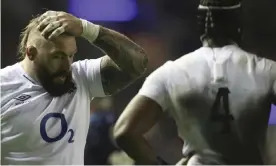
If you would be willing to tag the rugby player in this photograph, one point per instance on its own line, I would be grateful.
(45, 98)
(219, 96)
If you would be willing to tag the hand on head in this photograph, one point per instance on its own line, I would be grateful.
(51, 24)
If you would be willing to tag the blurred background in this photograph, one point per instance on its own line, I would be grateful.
(165, 28)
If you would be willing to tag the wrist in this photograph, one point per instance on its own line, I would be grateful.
(90, 31)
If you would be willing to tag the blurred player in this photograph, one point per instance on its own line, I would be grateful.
(45, 98)
(219, 96)
(99, 144)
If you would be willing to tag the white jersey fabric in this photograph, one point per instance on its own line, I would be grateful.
(43, 130)
(220, 99)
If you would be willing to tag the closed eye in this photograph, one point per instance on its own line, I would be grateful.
(60, 55)
(57, 56)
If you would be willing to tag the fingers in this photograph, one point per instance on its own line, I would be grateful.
(45, 22)
(57, 32)
(47, 14)
(50, 27)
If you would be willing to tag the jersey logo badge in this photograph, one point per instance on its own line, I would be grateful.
(23, 97)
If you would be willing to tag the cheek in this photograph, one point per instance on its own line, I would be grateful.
(47, 67)
(54, 65)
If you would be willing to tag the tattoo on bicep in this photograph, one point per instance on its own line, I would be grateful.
(126, 54)
(113, 78)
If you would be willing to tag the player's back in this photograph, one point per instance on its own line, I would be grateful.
(220, 100)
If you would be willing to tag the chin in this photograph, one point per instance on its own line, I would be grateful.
(60, 89)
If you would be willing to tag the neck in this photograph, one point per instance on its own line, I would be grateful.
(209, 42)
(28, 67)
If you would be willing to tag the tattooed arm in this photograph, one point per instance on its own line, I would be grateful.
(124, 63)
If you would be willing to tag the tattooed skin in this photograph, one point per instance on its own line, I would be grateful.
(124, 63)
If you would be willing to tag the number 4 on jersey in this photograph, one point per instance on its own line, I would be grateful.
(224, 117)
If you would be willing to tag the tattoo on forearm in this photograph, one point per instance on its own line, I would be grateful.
(126, 60)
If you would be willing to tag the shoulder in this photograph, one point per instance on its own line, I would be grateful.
(194, 55)
(162, 72)
(12, 84)
(258, 62)
(157, 81)
(9, 71)
(197, 57)
(84, 65)
(243, 57)
(192, 63)
(189, 62)
(86, 70)
(11, 75)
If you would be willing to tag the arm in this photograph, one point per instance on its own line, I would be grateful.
(139, 116)
(124, 63)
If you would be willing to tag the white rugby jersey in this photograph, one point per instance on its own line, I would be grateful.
(43, 130)
(220, 99)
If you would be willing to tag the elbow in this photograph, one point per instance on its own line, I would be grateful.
(122, 140)
(144, 62)
(140, 65)
(122, 136)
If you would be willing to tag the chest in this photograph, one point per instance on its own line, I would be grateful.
(42, 119)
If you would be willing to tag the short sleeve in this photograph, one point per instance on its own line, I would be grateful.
(155, 87)
(89, 73)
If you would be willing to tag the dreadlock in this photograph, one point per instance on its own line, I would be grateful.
(220, 20)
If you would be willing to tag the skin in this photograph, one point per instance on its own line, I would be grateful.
(124, 63)
(55, 55)
(52, 45)
(141, 115)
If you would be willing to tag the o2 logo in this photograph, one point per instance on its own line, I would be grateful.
(64, 128)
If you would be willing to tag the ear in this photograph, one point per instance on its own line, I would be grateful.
(31, 52)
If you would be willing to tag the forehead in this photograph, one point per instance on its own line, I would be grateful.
(63, 43)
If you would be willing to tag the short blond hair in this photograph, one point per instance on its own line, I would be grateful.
(24, 36)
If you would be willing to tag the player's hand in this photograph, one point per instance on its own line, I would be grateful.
(52, 24)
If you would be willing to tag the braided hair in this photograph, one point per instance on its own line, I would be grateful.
(220, 20)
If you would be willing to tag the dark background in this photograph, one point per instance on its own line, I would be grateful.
(165, 28)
